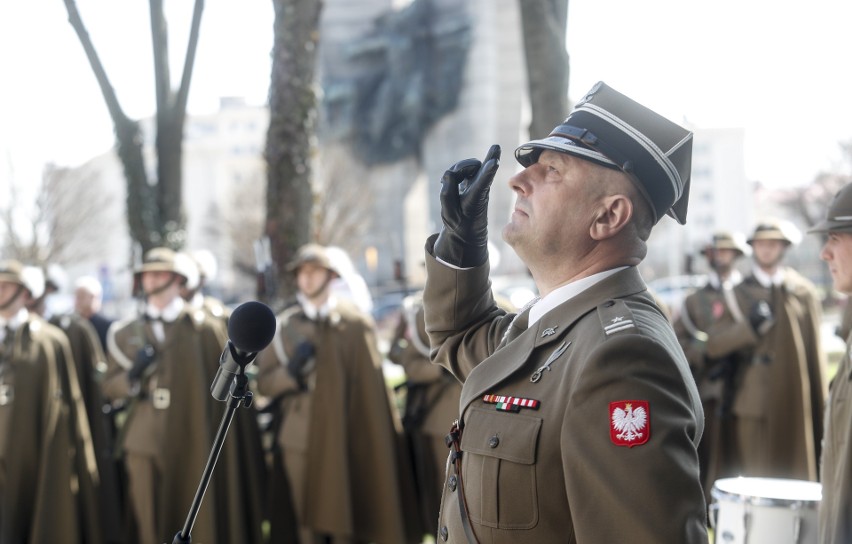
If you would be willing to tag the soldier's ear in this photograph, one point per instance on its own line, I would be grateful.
(613, 213)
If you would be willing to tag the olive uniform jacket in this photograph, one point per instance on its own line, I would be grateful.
(173, 421)
(781, 381)
(835, 509)
(45, 443)
(601, 448)
(341, 425)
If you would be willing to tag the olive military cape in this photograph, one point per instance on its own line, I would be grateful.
(178, 435)
(47, 463)
(559, 471)
(343, 425)
(781, 381)
(90, 363)
(713, 366)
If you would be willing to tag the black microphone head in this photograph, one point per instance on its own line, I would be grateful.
(251, 326)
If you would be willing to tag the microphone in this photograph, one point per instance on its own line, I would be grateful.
(251, 328)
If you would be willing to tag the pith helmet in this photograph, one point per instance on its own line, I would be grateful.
(314, 254)
(838, 217)
(163, 259)
(729, 240)
(774, 229)
(29, 277)
(612, 130)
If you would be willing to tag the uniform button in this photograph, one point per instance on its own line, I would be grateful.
(494, 441)
(445, 534)
(452, 482)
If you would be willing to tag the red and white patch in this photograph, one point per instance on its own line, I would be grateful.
(629, 422)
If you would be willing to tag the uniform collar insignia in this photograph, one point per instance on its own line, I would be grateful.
(549, 331)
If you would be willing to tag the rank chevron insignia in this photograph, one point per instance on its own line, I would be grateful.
(618, 324)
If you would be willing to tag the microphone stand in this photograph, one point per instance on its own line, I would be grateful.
(239, 395)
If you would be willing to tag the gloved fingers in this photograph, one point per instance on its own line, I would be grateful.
(493, 153)
(480, 183)
(461, 170)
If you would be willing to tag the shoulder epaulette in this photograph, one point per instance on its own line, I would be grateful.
(615, 317)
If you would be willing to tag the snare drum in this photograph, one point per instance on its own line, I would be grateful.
(764, 511)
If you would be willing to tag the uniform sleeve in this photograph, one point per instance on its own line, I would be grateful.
(463, 322)
(649, 492)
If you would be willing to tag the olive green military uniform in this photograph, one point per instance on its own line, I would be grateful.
(337, 436)
(713, 366)
(90, 362)
(599, 445)
(46, 451)
(431, 405)
(780, 385)
(169, 433)
(835, 513)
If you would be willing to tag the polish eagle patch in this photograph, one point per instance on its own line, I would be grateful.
(630, 422)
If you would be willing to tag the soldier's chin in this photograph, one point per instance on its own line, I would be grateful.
(513, 233)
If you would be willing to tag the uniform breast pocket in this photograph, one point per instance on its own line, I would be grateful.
(500, 468)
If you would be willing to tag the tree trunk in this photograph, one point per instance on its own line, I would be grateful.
(544, 24)
(154, 210)
(291, 133)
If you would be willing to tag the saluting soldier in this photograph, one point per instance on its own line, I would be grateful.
(162, 364)
(780, 385)
(336, 437)
(835, 508)
(579, 418)
(712, 359)
(48, 471)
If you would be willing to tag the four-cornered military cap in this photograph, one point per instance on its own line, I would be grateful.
(314, 254)
(612, 130)
(774, 229)
(163, 259)
(838, 218)
(729, 240)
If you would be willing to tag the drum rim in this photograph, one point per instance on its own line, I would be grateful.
(720, 494)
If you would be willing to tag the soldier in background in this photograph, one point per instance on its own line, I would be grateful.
(712, 361)
(337, 438)
(431, 404)
(162, 364)
(835, 509)
(48, 471)
(90, 364)
(88, 300)
(780, 383)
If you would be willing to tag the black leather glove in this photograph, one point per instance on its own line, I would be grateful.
(463, 240)
(145, 357)
(761, 317)
(298, 365)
